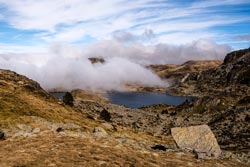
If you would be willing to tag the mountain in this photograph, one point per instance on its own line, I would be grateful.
(40, 130)
(232, 75)
(175, 73)
(222, 100)
(37, 129)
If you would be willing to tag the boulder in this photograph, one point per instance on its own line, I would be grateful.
(59, 129)
(159, 147)
(68, 99)
(100, 132)
(199, 139)
(1, 135)
(105, 115)
(108, 126)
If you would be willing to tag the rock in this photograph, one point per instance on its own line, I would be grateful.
(199, 138)
(68, 99)
(59, 129)
(105, 115)
(25, 128)
(22, 133)
(245, 100)
(91, 117)
(36, 130)
(101, 162)
(165, 111)
(1, 135)
(159, 147)
(95, 60)
(20, 82)
(98, 131)
(108, 126)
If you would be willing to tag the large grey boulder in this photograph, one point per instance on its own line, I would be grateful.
(199, 139)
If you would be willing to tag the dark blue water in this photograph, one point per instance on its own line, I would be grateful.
(137, 99)
(58, 95)
(140, 99)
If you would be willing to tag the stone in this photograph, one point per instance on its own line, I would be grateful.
(22, 133)
(101, 162)
(1, 135)
(68, 99)
(199, 139)
(108, 126)
(159, 147)
(59, 129)
(105, 115)
(20, 82)
(36, 130)
(98, 131)
(25, 128)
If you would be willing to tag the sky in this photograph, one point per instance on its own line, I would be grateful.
(50, 41)
(29, 25)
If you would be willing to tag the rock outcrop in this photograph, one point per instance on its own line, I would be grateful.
(1, 135)
(222, 101)
(199, 139)
(178, 73)
(68, 99)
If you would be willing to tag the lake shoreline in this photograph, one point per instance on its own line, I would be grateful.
(130, 99)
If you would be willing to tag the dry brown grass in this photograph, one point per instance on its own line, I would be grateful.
(61, 151)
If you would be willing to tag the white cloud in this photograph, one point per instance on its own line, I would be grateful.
(47, 14)
(67, 67)
(160, 53)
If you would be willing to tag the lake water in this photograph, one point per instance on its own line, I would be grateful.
(137, 99)
(140, 99)
(58, 95)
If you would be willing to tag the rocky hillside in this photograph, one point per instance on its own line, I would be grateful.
(223, 101)
(176, 73)
(231, 76)
(39, 130)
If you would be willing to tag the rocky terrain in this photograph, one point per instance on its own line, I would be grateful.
(224, 93)
(37, 129)
(231, 76)
(177, 73)
(222, 101)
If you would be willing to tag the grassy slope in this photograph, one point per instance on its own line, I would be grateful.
(21, 97)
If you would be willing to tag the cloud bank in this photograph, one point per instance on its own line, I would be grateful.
(67, 67)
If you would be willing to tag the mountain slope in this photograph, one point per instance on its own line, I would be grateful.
(42, 131)
(222, 101)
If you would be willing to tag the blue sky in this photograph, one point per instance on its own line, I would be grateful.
(30, 25)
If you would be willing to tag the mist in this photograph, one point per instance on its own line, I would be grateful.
(64, 67)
